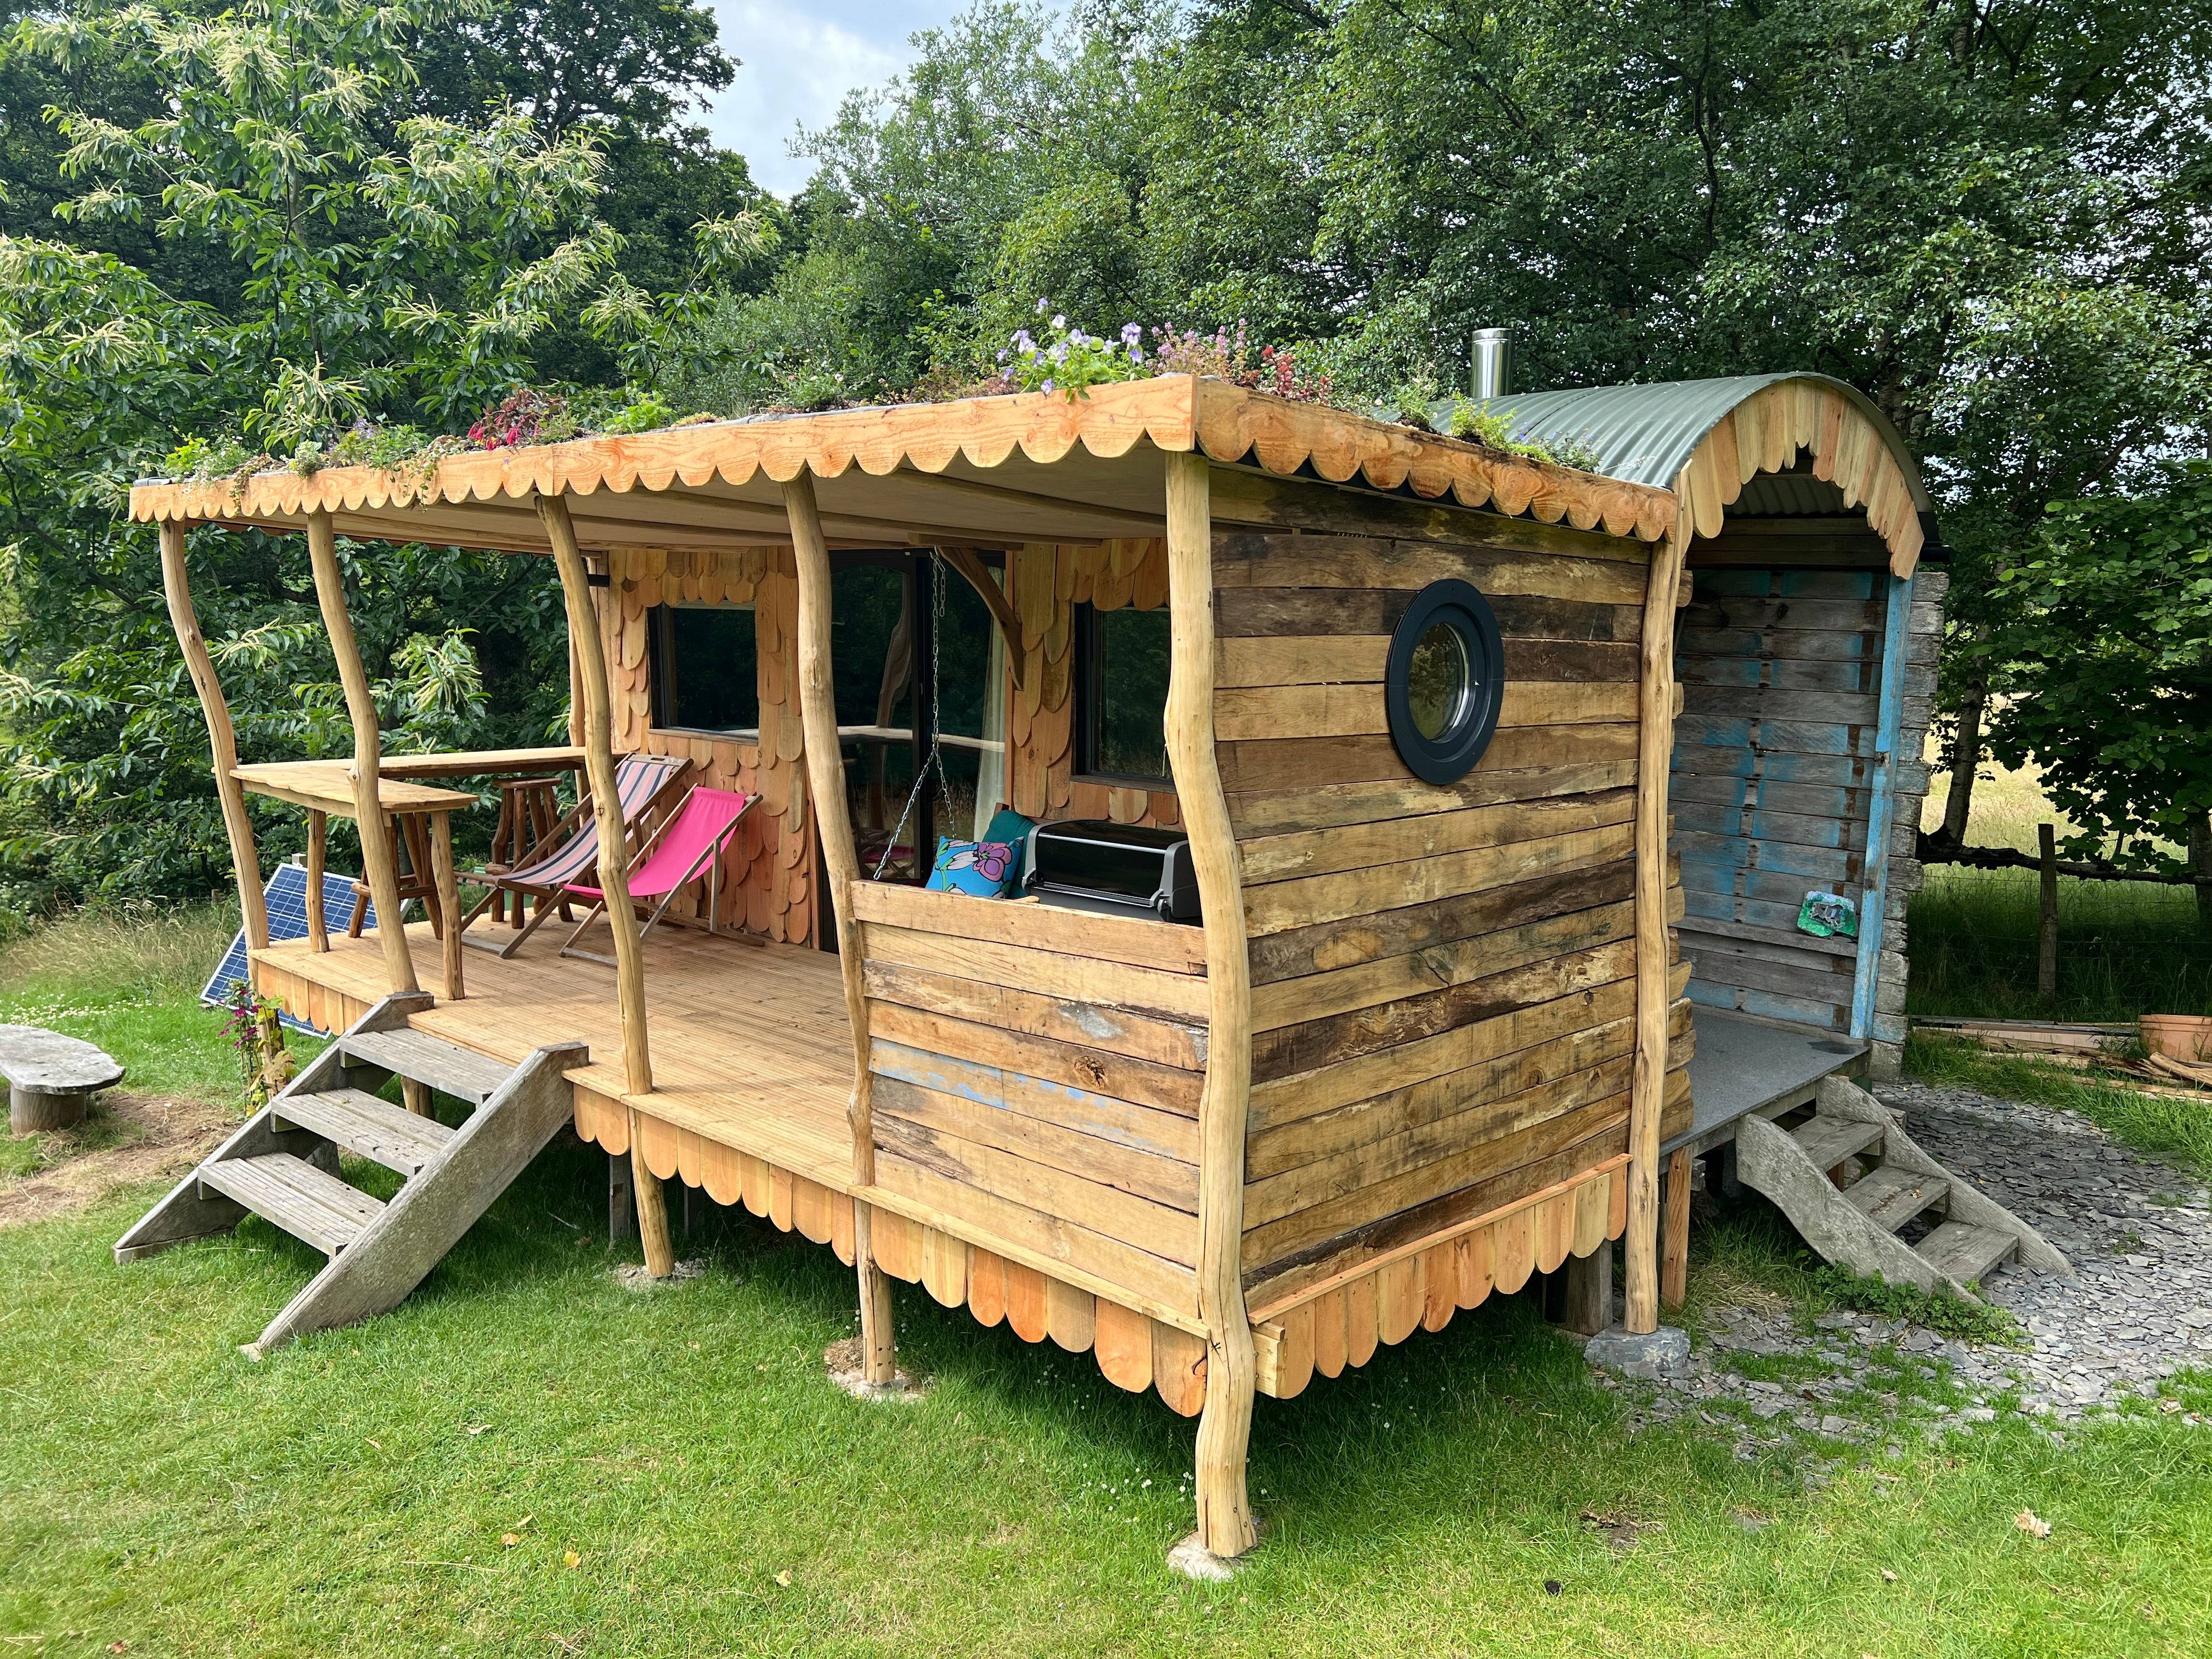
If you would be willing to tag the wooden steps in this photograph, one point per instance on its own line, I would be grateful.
(1849, 1178)
(446, 1066)
(298, 1197)
(369, 1127)
(283, 1165)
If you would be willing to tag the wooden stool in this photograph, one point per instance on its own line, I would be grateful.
(528, 810)
(416, 878)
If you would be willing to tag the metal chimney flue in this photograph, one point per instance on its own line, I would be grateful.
(1491, 351)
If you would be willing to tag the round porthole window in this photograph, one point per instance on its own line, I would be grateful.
(1446, 676)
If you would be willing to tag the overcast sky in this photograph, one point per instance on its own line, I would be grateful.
(800, 57)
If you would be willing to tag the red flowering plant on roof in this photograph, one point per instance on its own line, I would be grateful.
(526, 417)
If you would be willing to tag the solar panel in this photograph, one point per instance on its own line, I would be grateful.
(287, 896)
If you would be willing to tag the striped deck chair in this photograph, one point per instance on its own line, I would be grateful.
(686, 849)
(571, 849)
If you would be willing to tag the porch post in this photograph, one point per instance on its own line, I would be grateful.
(1224, 1428)
(222, 739)
(379, 862)
(588, 655)
(1654, 756)
(825, 783)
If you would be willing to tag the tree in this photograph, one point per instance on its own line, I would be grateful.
(2106, 653)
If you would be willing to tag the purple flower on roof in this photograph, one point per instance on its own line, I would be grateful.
(1025, 345)
(1131, 334)
(1060, 319)
(1040, 306)
(1047, 386)
(1003, 356)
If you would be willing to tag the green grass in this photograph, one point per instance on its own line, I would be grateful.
(351, 1494)
(2177, 1131)
(2125, 949)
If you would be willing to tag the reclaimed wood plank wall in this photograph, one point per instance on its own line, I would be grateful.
(1773, 772)
(1443, 989)
(769, 885)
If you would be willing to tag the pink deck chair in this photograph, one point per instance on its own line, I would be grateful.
(686, 847)
(640, 783)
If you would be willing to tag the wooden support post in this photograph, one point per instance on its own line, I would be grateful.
(319, 846)
(825, 783)
(1224, 1428)
(1654, 756)
(1589, 1290)
(380, 864)
(222, 737)
(449, 899)
(588, 654)
(417, 1096)
(2046, 949)
(1674, 1232)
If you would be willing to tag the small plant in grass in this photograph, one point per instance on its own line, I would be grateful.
(1966, 1322)
(255, 1032)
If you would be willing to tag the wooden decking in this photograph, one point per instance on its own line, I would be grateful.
(750, 1046)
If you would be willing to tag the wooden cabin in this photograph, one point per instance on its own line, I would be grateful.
(1409, 700)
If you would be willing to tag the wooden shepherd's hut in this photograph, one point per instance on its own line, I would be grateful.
(1386, 715)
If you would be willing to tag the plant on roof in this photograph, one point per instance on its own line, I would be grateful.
(1069, 360)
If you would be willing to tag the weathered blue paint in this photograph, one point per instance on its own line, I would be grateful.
(1874, 905)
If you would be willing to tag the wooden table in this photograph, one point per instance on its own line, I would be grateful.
(325, 788)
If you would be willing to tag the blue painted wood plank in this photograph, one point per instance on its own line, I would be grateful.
(1875, 902)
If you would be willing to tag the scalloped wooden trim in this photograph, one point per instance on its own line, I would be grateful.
(1176, 413)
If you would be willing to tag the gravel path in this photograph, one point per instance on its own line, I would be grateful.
(2139, 1235)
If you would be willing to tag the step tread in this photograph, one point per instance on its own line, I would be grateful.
(1890, 1196)
(446, 1066)
(371, 1127)
(1965, 1251)
(302, 1200)
(1829, 1140)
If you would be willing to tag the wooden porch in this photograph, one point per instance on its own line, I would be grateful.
(751, 1048)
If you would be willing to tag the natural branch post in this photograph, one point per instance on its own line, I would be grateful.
(589, 656)
(379, 863)
(1224, 1428)
(1653, 756)
(222, 739)
(825, 782)
(2046, 954)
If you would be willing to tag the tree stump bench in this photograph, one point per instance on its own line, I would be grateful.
(51, 1078)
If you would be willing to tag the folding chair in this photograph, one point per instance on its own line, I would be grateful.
(570, 848)
(686, 847)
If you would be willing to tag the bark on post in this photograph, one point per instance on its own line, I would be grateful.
(589, 656)
(379, 863)
(1654, 756)
(222, 737)
(1224, 1428)
(825, 783)
(1964, 760)
(2046, 951)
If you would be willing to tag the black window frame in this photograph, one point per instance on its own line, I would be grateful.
(1090, 706)
(1452, 754)
(660, 664)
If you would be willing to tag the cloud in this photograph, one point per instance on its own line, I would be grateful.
(798, 65)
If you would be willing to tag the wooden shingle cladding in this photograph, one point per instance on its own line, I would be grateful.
(1443, 977)
(769, 879)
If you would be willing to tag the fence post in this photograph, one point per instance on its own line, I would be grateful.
(2047, 955)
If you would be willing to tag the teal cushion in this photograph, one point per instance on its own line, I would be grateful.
(1011, 827)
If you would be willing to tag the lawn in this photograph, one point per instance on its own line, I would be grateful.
(677, 1476)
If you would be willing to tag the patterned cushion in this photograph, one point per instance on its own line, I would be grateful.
(984, 869)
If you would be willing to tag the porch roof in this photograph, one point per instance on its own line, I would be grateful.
(1029, 467)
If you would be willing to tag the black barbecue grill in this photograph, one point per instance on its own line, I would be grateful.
(1115, 869)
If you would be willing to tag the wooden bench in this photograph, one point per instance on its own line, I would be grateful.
(51, 1078)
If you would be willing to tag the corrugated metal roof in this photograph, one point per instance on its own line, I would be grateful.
(1644, 434)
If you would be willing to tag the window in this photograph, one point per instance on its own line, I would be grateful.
(1444, 681)
(1121, 694)
(706, 670)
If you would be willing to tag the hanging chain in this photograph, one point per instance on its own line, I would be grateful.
(934, 761)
